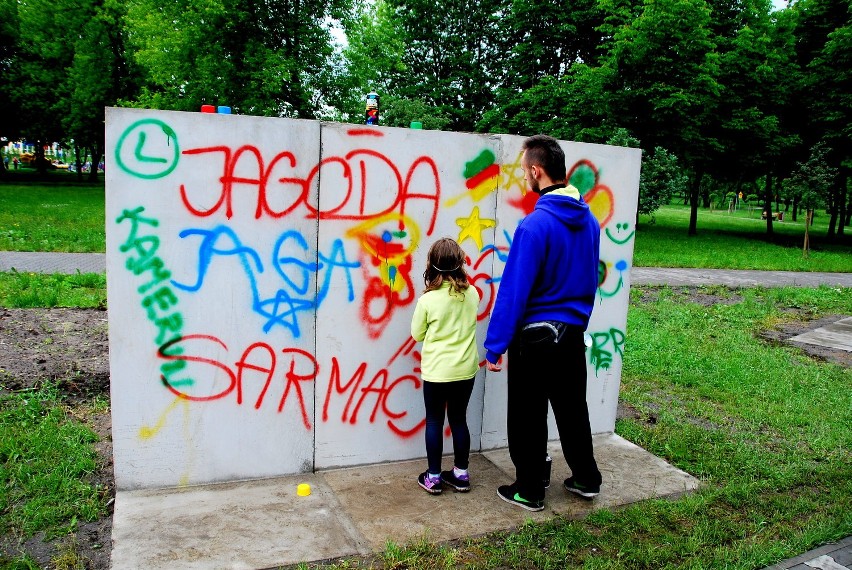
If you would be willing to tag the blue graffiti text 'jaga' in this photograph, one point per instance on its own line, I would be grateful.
(283, 306)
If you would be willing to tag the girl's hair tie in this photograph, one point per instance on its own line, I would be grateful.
(457, 267)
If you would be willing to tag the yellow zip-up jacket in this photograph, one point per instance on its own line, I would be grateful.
(446, 323)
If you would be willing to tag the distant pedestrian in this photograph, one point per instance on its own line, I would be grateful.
(547, 292)
(445, 321)
(15, 161)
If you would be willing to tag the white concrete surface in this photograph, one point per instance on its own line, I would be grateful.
(263, 524)
(262, 273)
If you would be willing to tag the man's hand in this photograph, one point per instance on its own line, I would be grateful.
(494, 367)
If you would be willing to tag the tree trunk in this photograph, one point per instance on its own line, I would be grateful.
(795, 207)
(843, 201)
(767, 203)
(694, 191)
(96, 160)
(78, 163)
(838, 208)
(833, 196)
(40, 160)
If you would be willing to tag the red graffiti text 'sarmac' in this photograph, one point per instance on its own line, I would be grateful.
(378, 385)
(260, 365)
(350, 177)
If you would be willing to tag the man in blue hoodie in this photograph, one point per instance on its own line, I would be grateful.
(547, 292)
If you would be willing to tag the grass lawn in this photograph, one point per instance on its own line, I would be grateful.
(56, 215)
(30, 290)
(46, 456)
(764, 427)
(64, 216)
(737, 241)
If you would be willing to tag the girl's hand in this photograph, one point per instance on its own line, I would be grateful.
(493, 367)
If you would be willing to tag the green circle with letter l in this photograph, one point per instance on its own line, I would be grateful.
(147, 154)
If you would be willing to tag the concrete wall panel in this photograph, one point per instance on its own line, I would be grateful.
(201, 333)
(404, 189)
(262, 274)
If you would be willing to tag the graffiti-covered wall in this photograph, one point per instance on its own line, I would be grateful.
(262, 274)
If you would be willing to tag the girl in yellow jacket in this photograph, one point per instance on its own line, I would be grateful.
(445, 321)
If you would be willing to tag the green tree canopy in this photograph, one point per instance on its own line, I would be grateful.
(825, 52)
(663, 77)
(660, 178)
(450, 58)
(259, 58)
(38, 89)
(10, 124)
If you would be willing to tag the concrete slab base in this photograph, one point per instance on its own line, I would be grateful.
(261, 524)
(835, 335)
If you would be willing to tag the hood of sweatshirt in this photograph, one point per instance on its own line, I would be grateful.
(566, 205)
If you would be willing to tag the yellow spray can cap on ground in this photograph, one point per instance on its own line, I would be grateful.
(303, 490)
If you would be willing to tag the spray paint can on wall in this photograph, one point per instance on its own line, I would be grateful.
(372, 112)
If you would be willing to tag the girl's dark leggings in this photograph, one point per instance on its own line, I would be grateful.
(452, 397)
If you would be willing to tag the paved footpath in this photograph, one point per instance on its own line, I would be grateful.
(40, 262)
(835, 556)
(37, 262)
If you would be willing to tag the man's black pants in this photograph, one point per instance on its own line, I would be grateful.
(541, 370)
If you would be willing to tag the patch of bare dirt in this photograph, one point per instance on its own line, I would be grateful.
(706, 296)
(71, 346)
(68, 346)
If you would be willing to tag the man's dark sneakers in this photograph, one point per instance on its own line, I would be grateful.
(509, 493)
(585, 491)
(461, 484)
(430, 485)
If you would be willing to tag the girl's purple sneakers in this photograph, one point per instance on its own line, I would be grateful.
(460, 483)
(430, 485)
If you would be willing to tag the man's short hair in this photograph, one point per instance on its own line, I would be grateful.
(544, 151)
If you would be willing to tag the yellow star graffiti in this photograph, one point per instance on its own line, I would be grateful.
(472, 227)
(510, 171)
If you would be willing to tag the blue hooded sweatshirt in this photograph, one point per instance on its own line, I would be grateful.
(552, 270)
